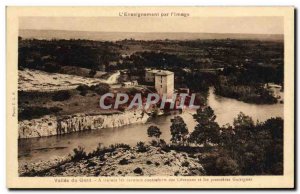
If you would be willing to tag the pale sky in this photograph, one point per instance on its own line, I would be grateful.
(246, 25)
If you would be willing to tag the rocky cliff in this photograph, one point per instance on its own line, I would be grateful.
(52, 125)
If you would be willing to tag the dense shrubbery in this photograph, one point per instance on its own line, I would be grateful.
(141, 147)
(61, 95)
(82, 87)
(78, 154)
(36, 112)
(120, 145)
(101, 150)
(100, 88)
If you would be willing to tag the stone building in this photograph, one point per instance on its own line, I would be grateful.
(164, 82)
(150, 75)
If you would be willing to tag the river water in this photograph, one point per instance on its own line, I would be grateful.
(226, 109)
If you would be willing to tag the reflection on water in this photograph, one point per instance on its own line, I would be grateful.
(226, 110)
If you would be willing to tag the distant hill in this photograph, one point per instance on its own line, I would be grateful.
(114, 36)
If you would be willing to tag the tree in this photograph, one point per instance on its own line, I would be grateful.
(227, 166)
(100, 88)
(207, 130)
(275, 126)
(243, 127)
(227, 139)
(257, 148)
(179, 130)
(218, 163)
(274, 146)
(153, 131)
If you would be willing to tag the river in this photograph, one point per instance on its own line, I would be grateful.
(226, 109)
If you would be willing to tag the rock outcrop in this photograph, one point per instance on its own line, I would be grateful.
(121, 162)
(35, 80)
(53, 125)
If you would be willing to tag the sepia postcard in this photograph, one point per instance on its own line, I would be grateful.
(150, 97)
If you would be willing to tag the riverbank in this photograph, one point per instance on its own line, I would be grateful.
(121, 160)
